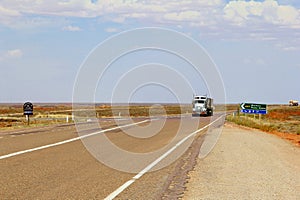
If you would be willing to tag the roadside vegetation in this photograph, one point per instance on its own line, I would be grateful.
(11, 115)
(280, 120)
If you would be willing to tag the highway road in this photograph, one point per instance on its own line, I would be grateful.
(56, 162)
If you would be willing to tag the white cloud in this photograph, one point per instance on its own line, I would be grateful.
(256, 61)
(183, 16)
(116, 8)
(15, 53)
(238, 12)
(111, 30)
(11, 54)
(268, 11)
(71, 28)
(9, 12)
(291, 48)
(214, 18)
(288, 46)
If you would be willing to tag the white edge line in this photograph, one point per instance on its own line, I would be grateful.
(69, 140)
(151, 165)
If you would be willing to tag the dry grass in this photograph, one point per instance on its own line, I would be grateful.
(11, 115)
(279, 118)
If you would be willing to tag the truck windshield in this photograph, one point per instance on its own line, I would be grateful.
(200, 101)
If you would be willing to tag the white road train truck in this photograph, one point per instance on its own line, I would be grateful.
(293, 103)
(202, 106)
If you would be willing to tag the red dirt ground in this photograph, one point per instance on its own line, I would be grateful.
(288, 136)
(283, 114)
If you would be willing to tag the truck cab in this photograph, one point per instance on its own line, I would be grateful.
(202, 106)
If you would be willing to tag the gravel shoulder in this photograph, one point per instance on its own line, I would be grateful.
(247, 164)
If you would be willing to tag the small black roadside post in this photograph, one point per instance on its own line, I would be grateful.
(28, 110)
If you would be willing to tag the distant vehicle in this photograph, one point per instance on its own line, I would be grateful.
(293, 103)
(202, 105)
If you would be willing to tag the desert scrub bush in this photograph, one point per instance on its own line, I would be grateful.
(138, 111)
(284, 113)
(298, 131)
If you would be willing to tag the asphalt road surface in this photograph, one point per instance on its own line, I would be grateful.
(54, 163)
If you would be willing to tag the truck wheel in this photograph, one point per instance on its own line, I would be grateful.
(209, 113)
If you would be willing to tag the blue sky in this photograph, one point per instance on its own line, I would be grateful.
(255, 45)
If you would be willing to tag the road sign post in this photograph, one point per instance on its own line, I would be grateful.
(28, 110)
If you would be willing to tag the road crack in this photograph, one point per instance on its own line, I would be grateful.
(175, 185)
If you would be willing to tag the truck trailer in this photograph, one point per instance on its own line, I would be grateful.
(293, 103)
(202, 106)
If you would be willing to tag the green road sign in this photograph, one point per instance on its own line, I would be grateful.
(253, 106)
